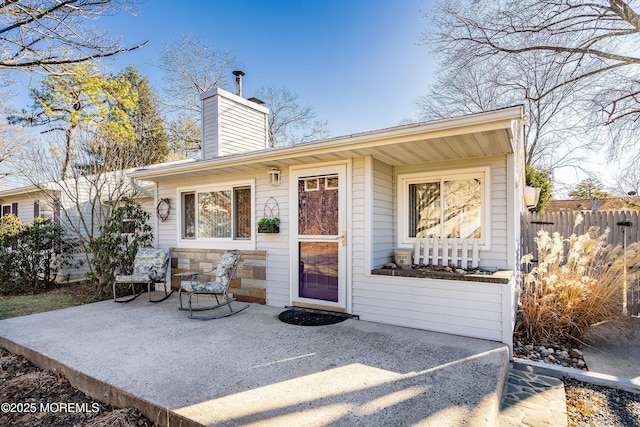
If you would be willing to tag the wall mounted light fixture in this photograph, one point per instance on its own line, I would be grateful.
(273, 176)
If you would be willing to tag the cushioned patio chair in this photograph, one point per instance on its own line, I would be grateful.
(149, 267)
(217, 286)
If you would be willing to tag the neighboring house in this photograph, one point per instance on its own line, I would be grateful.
(30, 202)
(345, 206)
(67, 202)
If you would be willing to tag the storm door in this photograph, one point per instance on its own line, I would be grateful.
(320, 240)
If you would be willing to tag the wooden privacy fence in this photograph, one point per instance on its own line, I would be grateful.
(624, 226)
(563, 223)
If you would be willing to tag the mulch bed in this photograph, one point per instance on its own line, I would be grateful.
(309, 317)
(31, 397)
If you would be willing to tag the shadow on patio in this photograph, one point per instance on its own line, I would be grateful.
(252, 368)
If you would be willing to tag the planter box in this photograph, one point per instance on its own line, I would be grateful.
(268, 228)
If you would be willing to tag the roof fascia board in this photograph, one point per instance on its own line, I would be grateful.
(23, 191)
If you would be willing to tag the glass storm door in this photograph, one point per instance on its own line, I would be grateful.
(321, 236)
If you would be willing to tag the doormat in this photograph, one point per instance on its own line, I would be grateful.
(302, 317)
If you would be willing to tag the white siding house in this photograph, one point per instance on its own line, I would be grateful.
(74, 205)
(345, 205)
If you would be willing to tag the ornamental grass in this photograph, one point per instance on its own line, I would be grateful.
(577, 283)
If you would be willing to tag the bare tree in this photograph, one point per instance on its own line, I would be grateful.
(554, 136)
(595, 37)
(190, 66)
(628, 181)
(289, 122)
(96, 183)
(184, 137)
(12, 140)
(38, 34)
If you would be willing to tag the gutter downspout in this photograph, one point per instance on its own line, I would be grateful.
(138, 187)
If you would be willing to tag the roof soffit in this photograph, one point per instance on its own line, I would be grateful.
(453, 138)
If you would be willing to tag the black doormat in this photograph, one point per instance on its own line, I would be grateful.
(310, 317)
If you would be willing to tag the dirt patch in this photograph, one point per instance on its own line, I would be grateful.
(32, 397)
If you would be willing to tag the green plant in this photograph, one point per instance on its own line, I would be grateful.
(43, 251)
(10, 229)
(115, 249)
(565, 295)
(269, 225)
(539, 178)
(31, 256)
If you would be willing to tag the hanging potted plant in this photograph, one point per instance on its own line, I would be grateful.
(269, 225)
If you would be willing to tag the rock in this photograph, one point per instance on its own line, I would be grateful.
(390, 266)
(581, 364)
(550, 357)
(460, 271)
(575, 353)
(447, 268)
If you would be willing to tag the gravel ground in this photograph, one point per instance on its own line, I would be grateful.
(591, 405)
(588, 405)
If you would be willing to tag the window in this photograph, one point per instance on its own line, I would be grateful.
(217, 213)
(449, 204)
(42, 209)
(6, 210)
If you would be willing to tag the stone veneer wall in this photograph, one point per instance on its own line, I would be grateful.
(249, 283)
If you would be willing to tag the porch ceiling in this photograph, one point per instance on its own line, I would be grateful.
(406, 145)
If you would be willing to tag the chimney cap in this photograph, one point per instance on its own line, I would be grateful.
(237, 73)
(256, 100)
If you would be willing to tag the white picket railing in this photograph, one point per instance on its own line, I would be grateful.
(463, 253)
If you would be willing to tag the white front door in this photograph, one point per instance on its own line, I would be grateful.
(319, 236)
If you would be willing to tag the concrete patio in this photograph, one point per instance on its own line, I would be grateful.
(251, 368)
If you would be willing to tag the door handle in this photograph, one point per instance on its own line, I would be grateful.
(343, 238)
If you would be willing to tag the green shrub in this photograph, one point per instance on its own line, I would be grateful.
(539, 178)
(31, 256)
(565, 295)
(124, 231)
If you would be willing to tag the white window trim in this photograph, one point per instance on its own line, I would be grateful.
(402, 184)
(220, 242)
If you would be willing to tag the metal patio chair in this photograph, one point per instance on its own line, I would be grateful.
(217, 286)
(149, 267)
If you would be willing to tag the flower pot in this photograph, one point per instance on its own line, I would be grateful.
(402, 258)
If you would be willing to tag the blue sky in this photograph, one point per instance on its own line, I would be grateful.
(359, 63)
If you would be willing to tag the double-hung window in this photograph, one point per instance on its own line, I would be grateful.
(217, 212)
(444, 204)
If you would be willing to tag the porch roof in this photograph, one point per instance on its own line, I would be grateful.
(471, 136)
